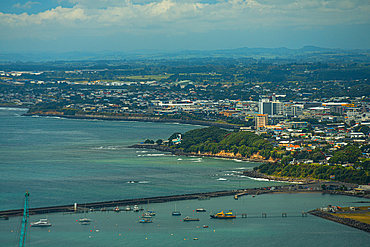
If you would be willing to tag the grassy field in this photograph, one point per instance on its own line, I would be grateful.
(147, 77)
(363, 217)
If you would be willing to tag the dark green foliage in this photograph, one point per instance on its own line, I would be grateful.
(159, 141)
(344, 174)
(147, 141)
(362, 128)
(197, 137)
(214, 140)
(349, 154)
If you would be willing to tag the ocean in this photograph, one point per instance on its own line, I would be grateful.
(66, 161)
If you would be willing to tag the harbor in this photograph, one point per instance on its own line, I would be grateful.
(262, 221)
(119, 205)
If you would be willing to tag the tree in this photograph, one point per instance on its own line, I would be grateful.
(147, 141)
(159, 141)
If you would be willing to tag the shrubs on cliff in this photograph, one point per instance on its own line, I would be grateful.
(215, 140)
(337, 173)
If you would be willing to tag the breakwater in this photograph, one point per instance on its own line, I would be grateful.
(345, 221)
(160, 199)
(108, 204)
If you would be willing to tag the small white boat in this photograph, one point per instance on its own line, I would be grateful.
(128, 208)
(147, 215)
(176, 213)
(84, 220)
(201, 210)
(41, 223)
(136, 208)
(116, 209)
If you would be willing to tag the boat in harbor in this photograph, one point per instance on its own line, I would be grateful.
(116, 209)
(187, 218)
(136, 208)
(201, 210)
(128, 208)
(151, 213)
(146, 215)
(176, 213)
(84, 219)
(41, 223)
(222, 215)
(145, 220)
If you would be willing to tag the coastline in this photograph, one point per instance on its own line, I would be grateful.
(134, 118)
(181, 153)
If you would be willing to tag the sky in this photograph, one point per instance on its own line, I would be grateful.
(174, 25)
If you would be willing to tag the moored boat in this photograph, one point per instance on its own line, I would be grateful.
(176, 213)
(201, 210)
(41, 223)
(128, 208)
(187, 218)
(84, 220)
(222, 215)
(136, 208)
(116, 209)
(145, 220)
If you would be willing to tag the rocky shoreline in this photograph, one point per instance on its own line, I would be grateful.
(255, 174)
(345, 221)
(181, 153)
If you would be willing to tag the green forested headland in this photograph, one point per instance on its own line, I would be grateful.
(316, 171)
(217, 141)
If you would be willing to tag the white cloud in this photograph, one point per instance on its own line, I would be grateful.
(108, 16)
(27, 5)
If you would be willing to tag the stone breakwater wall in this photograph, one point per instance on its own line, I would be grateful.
(345, 221)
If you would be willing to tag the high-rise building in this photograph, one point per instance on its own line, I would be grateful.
(270, 106)
(261, 120)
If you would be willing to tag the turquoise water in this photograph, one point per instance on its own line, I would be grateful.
(66, 161)
(123, 229)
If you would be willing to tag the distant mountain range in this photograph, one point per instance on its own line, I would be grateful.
(282, 54)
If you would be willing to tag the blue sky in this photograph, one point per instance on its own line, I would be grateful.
(169, 25)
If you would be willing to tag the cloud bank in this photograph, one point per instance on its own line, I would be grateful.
(106, 17)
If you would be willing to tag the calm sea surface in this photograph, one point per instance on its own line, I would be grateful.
(66, 161)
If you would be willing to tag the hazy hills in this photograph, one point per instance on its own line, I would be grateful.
(282, 54)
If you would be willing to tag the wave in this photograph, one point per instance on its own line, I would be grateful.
(138, 182)
(196, 161)
(108, 148)
(269, 180)
(153, 154)
(13, 108)
(222, 179)
(141, 151)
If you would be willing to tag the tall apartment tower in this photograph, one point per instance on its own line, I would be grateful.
(270, 106)
(261, 120)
